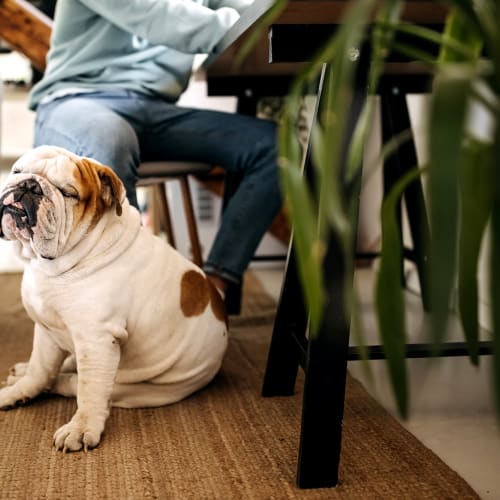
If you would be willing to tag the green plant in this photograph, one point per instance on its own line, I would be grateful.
(463, 184)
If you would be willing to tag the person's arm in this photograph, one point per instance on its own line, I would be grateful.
(183, 25)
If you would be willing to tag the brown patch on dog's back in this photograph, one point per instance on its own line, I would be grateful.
(195, 294)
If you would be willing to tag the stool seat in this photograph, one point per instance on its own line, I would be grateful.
(150, 170)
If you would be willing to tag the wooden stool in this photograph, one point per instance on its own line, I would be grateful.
(156, 174)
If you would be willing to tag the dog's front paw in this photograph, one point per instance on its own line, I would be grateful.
(80, 432)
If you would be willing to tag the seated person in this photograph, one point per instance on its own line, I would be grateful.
(115, 70)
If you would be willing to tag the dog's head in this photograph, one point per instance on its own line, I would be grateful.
(52, 198)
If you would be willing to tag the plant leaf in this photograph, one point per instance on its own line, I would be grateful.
(458, 29)
(389, 298)
(303, 212)
(447, 117)
(307, 244)
(476, 180)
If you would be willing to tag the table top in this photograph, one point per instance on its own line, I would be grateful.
(297, 13)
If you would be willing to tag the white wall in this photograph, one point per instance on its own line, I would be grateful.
(369, 228)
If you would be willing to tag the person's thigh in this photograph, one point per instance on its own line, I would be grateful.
(88, 127)
(229, 140)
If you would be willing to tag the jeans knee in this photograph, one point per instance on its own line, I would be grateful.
(100, 134)
(124, 162)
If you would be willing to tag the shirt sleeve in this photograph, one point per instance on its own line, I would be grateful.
(182, 25)
(239, 5)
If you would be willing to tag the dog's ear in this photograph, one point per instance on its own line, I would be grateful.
(109, 187)
(112, 190)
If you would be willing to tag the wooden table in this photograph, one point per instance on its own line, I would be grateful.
(284, 44)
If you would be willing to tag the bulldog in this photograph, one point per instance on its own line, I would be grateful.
(121, 318)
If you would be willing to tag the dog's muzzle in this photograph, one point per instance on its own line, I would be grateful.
(22, 202)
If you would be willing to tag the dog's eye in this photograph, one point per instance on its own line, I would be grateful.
(69, 192)
(16, 171)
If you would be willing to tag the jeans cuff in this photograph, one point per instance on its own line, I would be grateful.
(222, 273)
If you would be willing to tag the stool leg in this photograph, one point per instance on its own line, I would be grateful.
(153, 210)
(161, 194)
(191, 221)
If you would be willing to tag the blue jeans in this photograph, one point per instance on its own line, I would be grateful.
(123, 128)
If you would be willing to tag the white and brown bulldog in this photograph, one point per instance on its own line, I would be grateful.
(121, 318)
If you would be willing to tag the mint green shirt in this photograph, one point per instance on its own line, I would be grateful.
(146, 46)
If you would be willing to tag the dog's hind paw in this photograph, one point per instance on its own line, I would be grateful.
(18, 370)
(78, 434)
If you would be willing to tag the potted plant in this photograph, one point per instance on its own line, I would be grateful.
(463, 186)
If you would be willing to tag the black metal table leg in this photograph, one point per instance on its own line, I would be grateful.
(325, 363)
(325, 378)
(395, 120)
(288, 343)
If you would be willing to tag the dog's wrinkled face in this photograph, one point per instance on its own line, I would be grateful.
(52, 198)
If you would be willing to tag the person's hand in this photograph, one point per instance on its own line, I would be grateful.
(227, 15)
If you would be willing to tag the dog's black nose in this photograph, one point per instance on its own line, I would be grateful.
(32, 186)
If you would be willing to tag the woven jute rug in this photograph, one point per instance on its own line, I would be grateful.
(225, 442)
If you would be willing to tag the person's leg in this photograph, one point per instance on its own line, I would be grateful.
(87, 126)
(237, 143)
